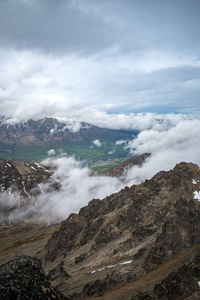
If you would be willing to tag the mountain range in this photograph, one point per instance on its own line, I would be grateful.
(32, 140)
(140, 243)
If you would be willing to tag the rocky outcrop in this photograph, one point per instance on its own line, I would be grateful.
(128, 234)
(24, 278)
(20, 175)
(19, 185)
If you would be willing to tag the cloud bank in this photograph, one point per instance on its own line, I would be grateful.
(168, 147)
(105, 55)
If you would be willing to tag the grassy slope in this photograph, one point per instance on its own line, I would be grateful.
(93, 155)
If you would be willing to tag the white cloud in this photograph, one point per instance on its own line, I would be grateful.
(34, 85)
(120, 142)
(78, 187)
(168, 147)
(97, 143)
(51, 152)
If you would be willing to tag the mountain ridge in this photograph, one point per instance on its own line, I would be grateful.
(140, 243)
(129, 234)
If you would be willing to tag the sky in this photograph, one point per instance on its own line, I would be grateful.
(68, 57)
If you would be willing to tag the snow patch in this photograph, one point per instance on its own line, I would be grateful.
(112, 266)
(38, 165)
(126, 262)
(194, 181)
(197, 195)
(25, 190)
(99, 270)
(33, 168)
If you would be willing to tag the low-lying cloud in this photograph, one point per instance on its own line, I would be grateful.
(167, 147)
(169, 144)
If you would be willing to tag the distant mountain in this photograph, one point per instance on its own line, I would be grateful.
(50, 131)
(31, 140)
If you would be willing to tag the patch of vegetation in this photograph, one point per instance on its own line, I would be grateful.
(108, 152)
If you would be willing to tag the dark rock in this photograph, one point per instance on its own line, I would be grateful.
(99, 287)
(80, 258)
(178, 285)
(24, 278)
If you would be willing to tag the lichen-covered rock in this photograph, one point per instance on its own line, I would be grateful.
(24, 278)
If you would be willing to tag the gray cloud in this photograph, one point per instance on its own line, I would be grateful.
(109, 55)
(51, 26)
(88, 26)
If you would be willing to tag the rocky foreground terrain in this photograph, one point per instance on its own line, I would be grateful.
(140, 243)
(30, 282)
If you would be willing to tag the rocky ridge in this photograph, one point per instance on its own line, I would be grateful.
(128, 235)
(22, 180)
(23, 176)
(140, 243)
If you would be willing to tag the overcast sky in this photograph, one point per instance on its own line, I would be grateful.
(60, 56)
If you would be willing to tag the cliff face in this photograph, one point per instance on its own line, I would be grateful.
(122, 238)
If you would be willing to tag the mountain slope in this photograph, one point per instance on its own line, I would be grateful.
(23, 175)
(31, 140)
(127, 235)
(19, 184)
(140, 243)
(50, 131)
